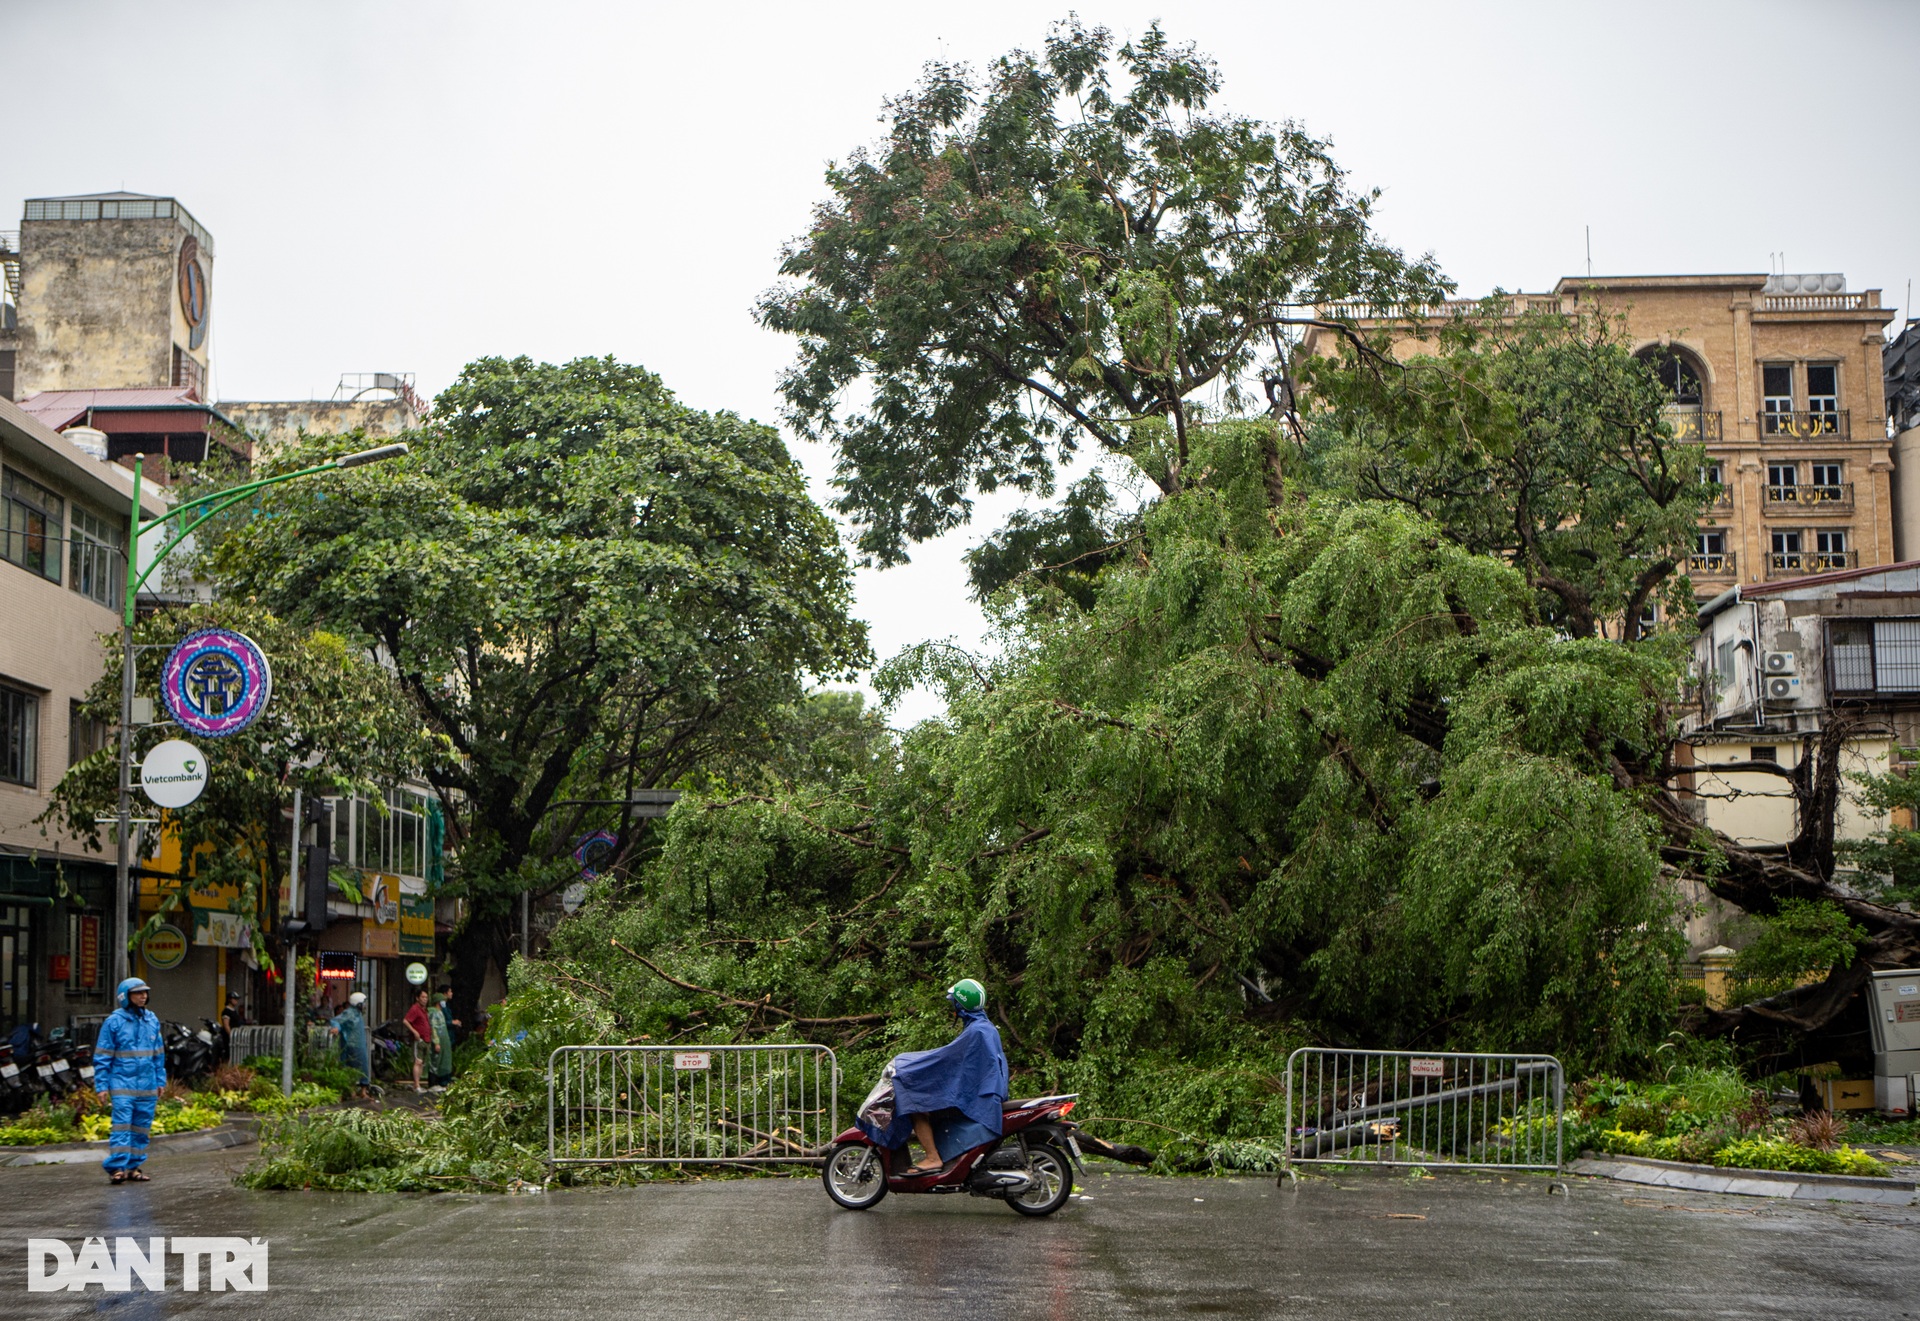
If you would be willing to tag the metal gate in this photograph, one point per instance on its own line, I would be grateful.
(634, 1105)
(1391, 1107)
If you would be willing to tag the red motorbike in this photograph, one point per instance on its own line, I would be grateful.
(1029, 1166)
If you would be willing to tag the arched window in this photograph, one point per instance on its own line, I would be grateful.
(1677, 371)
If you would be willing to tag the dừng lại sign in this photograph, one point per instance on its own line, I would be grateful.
(216, 682)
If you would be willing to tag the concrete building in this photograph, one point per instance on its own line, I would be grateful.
(113, 290)
(1778, 376)
(381, 405)
(63, 522)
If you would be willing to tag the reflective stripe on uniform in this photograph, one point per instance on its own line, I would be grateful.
(134, 1092)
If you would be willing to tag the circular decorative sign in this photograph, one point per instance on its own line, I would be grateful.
(193, 292)
(174, 773)
(165, 947)
(592, 851)
(417, 974)
(216, 682)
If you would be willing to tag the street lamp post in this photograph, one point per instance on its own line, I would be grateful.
(136, 577)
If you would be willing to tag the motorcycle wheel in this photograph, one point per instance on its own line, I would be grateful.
(853, 1176)
(1052, 1172)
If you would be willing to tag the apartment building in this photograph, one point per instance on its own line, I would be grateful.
(63, 526)
(1779, 377)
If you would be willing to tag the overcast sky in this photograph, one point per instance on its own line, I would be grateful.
(407, 186)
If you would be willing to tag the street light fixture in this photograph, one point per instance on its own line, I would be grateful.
(136, 578)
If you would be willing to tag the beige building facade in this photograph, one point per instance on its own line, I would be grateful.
(63, 526)
(1779, 378)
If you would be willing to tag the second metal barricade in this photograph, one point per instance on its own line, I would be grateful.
(633, 1105)
(1427, 1108)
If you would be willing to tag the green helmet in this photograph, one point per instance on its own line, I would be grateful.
(967, 994)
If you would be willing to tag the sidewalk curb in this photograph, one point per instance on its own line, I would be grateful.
(234, 1133)
(1750, 1183)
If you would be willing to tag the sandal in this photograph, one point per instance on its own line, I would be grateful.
(138, 1176)
(920, 1167)
(118, 1176)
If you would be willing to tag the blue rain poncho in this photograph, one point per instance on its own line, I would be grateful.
(968, 1074)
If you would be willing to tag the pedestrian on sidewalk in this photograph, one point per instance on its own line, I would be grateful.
(421, 1029)
(351, 1025)
(129, 1069)
(440, 1065)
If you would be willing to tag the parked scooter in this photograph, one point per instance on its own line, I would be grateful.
(189, 1054)
(1029, 1166)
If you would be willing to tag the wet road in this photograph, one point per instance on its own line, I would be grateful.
(1456, 1246)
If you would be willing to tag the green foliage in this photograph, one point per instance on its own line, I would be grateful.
(1539, 439)
(1804, 936)
(1766, 1153)
(384, 1151)
(583, 586)
(1893, 853)
(1044, 256)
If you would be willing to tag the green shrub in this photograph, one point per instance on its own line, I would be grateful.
(1767, 1153)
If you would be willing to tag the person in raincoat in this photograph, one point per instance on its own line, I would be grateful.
(130, 1068)
(351, 1025)
(440, 1059)
(950, 1099)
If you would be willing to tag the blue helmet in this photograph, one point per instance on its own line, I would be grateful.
(127, 988)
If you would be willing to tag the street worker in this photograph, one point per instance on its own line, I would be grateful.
(350, 1025)
(440, 1063)
(130, 1068)
(421, 1030)
(951, 1098)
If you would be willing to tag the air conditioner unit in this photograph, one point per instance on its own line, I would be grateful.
(1778, 662)
(1783, 688)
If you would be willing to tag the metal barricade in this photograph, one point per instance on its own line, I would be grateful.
(256, 1039)
(1428, 1108)
(635, 1105)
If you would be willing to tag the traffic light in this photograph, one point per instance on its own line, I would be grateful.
(316, 858)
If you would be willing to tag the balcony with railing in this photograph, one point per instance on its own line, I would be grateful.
(1796, 563)
(1811, 498)
(1802, 424)
(1692, 423)
(1714, 564)
(1827, 301)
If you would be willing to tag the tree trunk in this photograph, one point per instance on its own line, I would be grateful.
(485, 938)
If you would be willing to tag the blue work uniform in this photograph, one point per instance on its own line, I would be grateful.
(129, 1068)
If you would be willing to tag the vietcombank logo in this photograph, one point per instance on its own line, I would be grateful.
(213, 1264)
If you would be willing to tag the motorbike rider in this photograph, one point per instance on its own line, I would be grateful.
(950, 1098)
(130, 1068)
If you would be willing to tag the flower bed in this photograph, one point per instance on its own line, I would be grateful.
(48, 1125)
(1712, 1117)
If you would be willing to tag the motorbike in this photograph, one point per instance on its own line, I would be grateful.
(1030, 1166)
(189, 1053)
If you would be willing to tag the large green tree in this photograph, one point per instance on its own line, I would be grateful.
(1049, 255)
(584, 588)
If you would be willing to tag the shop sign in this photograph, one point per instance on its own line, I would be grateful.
(173, 774)
(379, 942)
(216, 682)
(416, 974)
(165, 947)
(89, 951)
(229, 930)
(60, 968)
